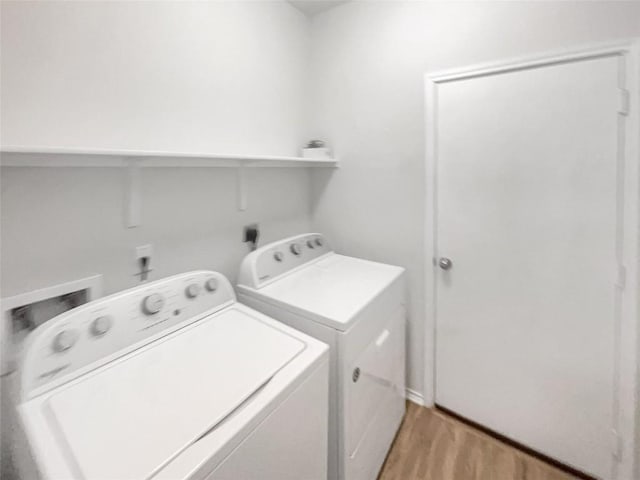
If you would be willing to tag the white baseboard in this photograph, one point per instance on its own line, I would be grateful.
(415, 397)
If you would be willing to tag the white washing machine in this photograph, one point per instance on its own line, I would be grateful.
(171, 380)
(358, 308)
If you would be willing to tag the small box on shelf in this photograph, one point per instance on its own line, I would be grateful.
(317, 153)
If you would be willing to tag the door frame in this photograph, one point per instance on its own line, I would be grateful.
(625, 397)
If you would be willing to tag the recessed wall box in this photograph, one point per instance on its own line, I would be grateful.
(24, 312)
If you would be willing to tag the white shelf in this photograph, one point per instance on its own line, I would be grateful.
(18, 156)
(134, 160)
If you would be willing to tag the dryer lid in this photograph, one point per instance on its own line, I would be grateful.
(333, 289)
(132, 417)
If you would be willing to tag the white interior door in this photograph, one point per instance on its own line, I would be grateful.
(527, 212)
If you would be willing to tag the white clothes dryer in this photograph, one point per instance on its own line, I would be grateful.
(358, 308)
(171, 380)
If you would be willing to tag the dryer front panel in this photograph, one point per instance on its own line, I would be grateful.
(374, 399)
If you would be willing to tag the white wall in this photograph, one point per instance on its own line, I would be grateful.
(225, 76)
(369, 62)
(63, 224)
(219, 77)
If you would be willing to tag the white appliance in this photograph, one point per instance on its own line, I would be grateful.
(358, 308)
(171, 380)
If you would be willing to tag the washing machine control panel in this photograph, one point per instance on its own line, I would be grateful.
(267, 263)
(86, 337)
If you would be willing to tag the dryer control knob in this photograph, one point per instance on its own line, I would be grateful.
(310, 244)
(100, 326)
(278, 256)
(211, 284)
(64, 340)
(295, 249)
(192, 291)
(319, 241)
(152, 304)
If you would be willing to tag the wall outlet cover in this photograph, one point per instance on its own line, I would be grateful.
(144, 251)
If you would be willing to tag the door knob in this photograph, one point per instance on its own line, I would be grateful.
(445, 263)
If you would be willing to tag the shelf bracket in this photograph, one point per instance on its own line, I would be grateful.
(132, 201)
(241, 188)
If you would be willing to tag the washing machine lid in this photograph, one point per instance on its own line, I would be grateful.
(333, 289)
(131, 418)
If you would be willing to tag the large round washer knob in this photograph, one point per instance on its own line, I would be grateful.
(100, 326)
(319, 241)
(152, 304)
(278, 256)
(64, 340)
(295, 249)
(310, 244)
(211, 284)
(192, 291)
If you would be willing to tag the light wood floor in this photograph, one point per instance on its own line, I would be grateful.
(434, 446)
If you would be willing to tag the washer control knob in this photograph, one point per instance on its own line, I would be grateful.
(64, 340)
(319, 242)
(100, 326)
(192, 290)
(310, 244)
(295, 248)
(278, 256)
(152, 304)
(211, 284)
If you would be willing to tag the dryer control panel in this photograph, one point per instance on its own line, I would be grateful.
(267, 263)
(101, 331)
